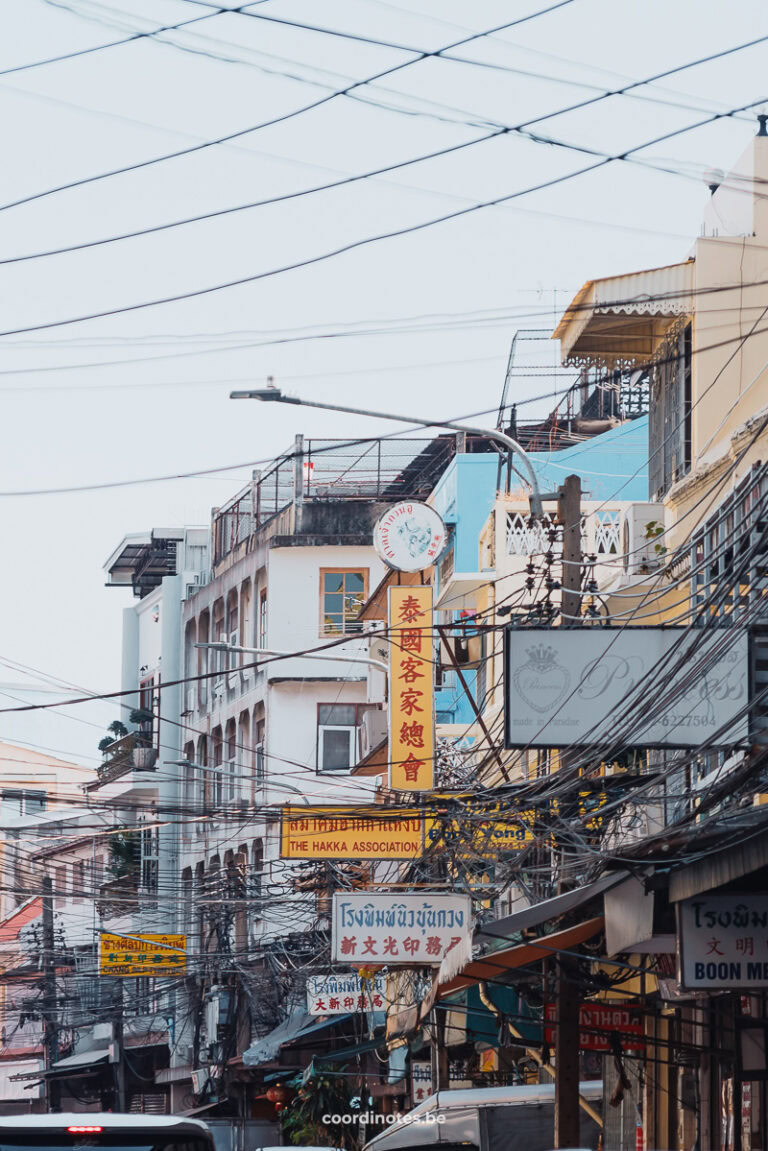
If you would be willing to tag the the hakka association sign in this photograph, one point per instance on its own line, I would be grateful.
(414, 930)
(668, 686)
(132, 955)
(411, 689)
(368, 832)
(723, 941)
(340, 994)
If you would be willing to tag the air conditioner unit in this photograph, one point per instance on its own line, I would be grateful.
(189, 701)
(642, 540)
(373, 730)
(219, 691)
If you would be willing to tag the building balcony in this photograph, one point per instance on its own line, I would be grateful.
(131, 753)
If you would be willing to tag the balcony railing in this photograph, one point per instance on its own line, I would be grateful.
(134, 752)
(332, 470)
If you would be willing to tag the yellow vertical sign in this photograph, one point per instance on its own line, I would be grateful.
(411, 690)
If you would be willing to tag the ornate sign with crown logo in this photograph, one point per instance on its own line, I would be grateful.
(659, 686)
(542, 681)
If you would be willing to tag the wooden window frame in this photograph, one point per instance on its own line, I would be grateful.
(364, 572)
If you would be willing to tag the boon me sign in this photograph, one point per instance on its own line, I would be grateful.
(724, 941)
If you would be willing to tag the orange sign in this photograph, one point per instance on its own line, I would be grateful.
(411, 690)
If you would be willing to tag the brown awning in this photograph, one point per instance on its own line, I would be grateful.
(496, 965)
(493, 967)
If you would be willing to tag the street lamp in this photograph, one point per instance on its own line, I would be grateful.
(274, 394)
(223, 646)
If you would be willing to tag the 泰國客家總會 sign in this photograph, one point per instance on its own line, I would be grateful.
(370, 832)
(340, 994)
(131, 955)
(390, 928)
(670, 687)
(724, 941)
(411, 689)
(409, 536)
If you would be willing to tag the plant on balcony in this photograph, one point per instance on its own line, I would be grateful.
(141, 716)
(124, 854)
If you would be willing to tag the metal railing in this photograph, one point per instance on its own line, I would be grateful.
(385, 470)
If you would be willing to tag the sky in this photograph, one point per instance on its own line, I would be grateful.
(143, 393)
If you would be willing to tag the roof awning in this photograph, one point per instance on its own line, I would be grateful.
(489, 968)
(498, 963)
(622, 320)
(290, 1031)
(80, 1062)
(549, 908)
(461, 590)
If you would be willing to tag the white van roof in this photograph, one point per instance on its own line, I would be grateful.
(106, 1119)
(498, 1096)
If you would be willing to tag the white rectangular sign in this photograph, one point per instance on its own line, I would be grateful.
(724, 941)
(421, 1080)
(658, 687)
(340, 994)
(416, 930)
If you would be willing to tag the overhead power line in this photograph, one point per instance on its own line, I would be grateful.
(112, 43)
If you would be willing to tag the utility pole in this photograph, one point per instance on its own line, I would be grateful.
(119, 1063)
(567, 1056)
(567, 998)
(569, 515)
(50, 1028)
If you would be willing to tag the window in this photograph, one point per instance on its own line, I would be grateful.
(17, 802)
(342, 595)
(336, 736)
(256, 879)
(262, 637)
(60, 884)
(670, 441)
(148, 703)
(260, 759)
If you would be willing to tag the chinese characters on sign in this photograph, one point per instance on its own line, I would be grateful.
(724, 941)
(411, 689)
(340, 994)
(405, 929)
(421, 1080)
(350, 833)
(596, 1021)
(129, 956)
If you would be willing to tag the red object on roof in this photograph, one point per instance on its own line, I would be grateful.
(12, 925)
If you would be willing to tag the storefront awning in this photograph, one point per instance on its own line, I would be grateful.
(490, 968)
(549, 908)
(498, 963)
(80, 1062)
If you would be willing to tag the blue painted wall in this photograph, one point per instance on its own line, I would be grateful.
(613, 465)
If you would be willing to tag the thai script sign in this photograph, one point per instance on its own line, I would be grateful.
(409, 536)
(340, 994)
(398, 929)
(670, 687)
(142, 954)
(369, 832)
(723, 941)
(596, 1023)
(411, 690)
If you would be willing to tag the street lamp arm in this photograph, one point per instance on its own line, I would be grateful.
(510, 445)
(295, 655)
